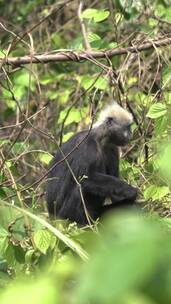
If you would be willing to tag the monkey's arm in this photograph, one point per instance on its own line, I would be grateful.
(107, 185)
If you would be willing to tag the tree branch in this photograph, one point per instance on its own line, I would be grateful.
(83, 28)
(69, 55)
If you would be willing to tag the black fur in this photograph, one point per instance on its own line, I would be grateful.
(96, 167)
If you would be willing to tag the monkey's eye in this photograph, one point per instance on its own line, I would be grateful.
(110, 121)
(129, 126)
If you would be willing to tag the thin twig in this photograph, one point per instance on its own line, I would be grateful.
(83, 28)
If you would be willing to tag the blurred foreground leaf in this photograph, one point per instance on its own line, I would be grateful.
(127, 260)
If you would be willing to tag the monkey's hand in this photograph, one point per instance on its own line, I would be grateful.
(127, 192)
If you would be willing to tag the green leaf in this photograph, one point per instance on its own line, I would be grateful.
(3, 265)
(157, 110)
(22, 78)
(161, 125)
(29, 256)
(87, 81)
(156, 192)
(89, 13)
(167, 97)
(164, 162)
(4, 277)
(168, 14)
(101, 15)
(45, 158)
(19, 147)
(2, 53)
(101, 83)
(4, 241)
(93, 37)
(47, 79)
(4, 142)
(37, 292)
(43, 239)
(67, 136)
(166, 76)
(97, 15)
(74, 116)
(123, 248)
(160, 10)
(10, 256)
(64, 238)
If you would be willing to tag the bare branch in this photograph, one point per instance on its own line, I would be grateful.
(79, 56)
(83, 28)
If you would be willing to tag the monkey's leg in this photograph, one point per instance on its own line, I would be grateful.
(73, 208)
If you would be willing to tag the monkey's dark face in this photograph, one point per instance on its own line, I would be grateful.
(119, 133)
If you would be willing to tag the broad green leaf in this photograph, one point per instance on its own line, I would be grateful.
(19, 147)
(43, 239)
(69, 242)
(37, 292)
(3, 265)
(101, 83)
(160, 10)
(164, 162)
(57, 40)
(4, 241)
(10, 256)
(20, 90)
(112, 45)
(168, 14)
(47, 79)
(166, 76)
(152, 22)
(67, 136)
(124, 246)
(97, 15)
(167, 97)
(2, 53)
(74, 116)
(22, 78)
(45, 158)
(29, 255)
(4, 276)
(63, 96)
(101, 15)
(161, 125)
(4, 142)
(157, 110)
(11, 104)
(87, 81)
(52, 94)
(156, 192)
(89, 13)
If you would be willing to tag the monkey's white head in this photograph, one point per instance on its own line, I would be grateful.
(114, 123)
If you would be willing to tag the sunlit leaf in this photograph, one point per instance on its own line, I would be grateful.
(157, 110)
(67, 136)
(37, 292)
(45, 158)
(97, 15)
(156, 192)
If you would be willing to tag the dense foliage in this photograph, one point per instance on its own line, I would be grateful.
(126, 259)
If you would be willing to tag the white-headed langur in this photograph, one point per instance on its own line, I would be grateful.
(78, 185)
